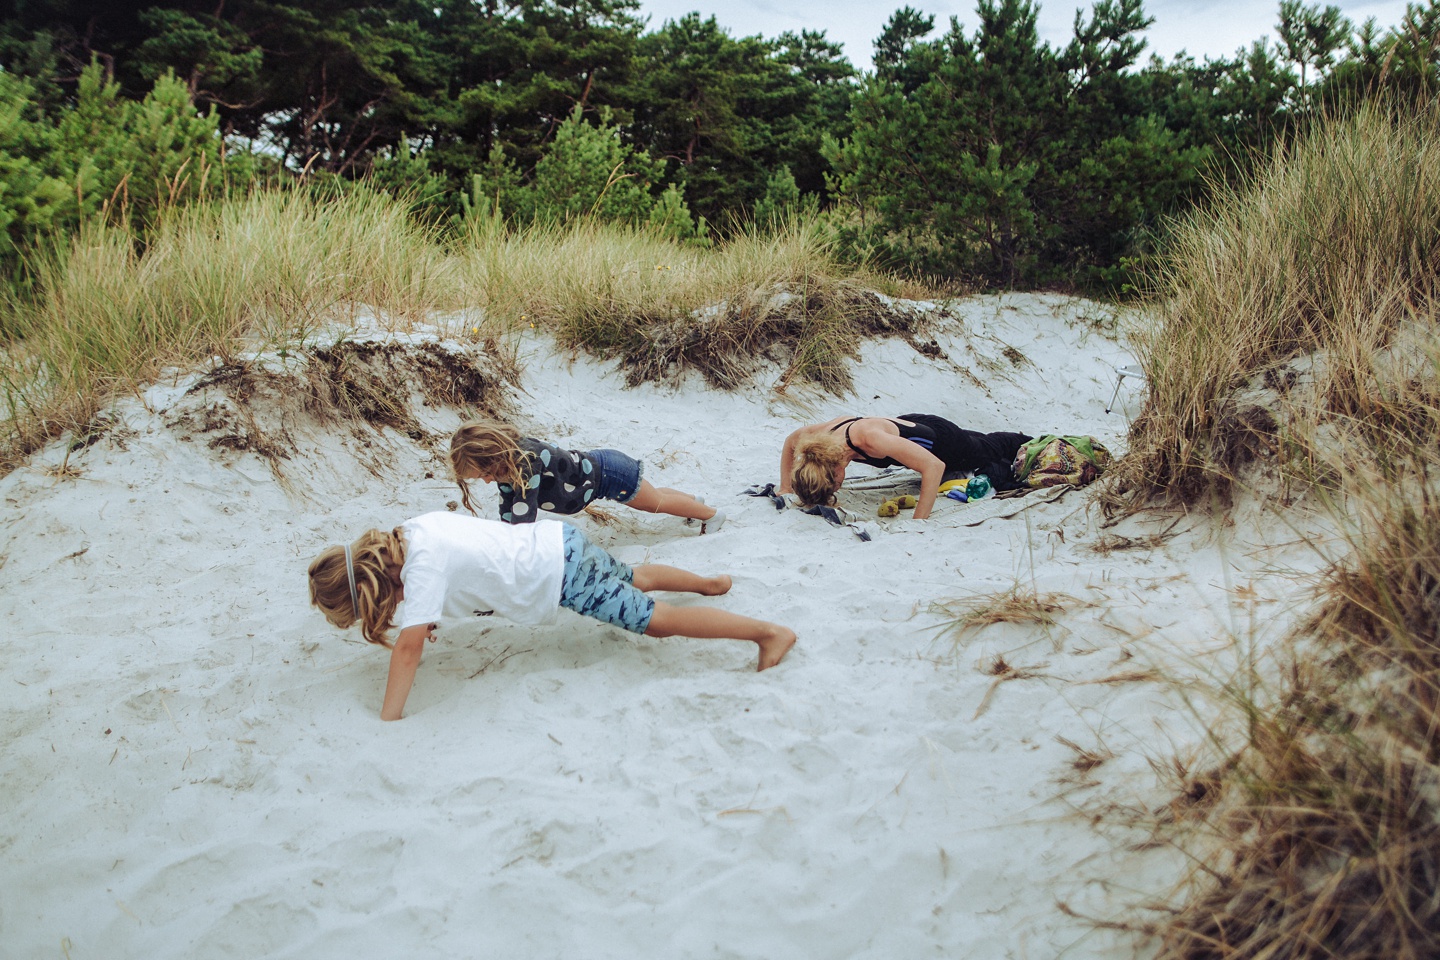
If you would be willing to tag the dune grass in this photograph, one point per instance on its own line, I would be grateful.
(1333, 247)
(663, 308)
(206, 281)
(271, 270)
(1320, 836)
(1298, 329)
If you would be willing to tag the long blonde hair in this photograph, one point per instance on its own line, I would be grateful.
(376, 595)
(818, 458)
(488, 446)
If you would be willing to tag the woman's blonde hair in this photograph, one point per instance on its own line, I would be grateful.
(376, 595)
(818, 459)
(487, 446)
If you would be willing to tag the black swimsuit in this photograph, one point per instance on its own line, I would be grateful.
(917, 433)
(961, 450)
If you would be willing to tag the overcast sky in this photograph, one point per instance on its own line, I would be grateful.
(1203, 28)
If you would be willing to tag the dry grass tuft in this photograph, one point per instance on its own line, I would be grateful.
(1110, 542)
(1019, 604)
(1329, 848)
(1128, 676)
(367, 385)
(1196, 794)
(1003, 670)
(369, 381)
(1085, 760)
(663, 309)
(600, 515)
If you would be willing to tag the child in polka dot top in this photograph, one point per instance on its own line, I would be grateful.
(533, 475)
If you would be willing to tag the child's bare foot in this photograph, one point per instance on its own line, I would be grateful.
(774, 647)
(716, 585)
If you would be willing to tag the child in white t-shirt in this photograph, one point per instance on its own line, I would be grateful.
(448, 566)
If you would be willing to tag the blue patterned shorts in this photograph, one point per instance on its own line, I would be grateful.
(619, 475)
(597, 585)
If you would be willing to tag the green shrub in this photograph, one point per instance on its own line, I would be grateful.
(587, 172)
(103, 158)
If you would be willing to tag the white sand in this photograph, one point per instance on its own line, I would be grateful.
(194, 765)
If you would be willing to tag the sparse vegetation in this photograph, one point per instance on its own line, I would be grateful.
(663, 307)
(1298, 331)
(210, 281)
(1328, 817)
(274, 270)
(1020, 604)
(1333, 250)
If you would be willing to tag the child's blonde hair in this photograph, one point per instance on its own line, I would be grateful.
(376, 595)
(491, 447)
(818, 458)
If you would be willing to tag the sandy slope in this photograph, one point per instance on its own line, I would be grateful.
(194, 767)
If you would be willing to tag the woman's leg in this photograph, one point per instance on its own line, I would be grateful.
(672, 502)
(773, 640)
(657, 576)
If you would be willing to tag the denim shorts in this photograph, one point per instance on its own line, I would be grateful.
(619, 475)
(599, 586)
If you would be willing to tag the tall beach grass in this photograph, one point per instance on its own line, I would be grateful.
(663, 308)
(206, 281)
(1298, 318)
(270, 270)
(1332, 247)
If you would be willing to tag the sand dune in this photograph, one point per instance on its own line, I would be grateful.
(194, 764)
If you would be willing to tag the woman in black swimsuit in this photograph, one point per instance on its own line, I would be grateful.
(813, 461)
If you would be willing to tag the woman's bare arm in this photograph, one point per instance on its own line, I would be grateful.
(879, 443)
(787, 460)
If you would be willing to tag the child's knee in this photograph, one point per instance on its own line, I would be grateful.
(661, 625)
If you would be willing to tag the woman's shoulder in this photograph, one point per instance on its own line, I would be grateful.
(831, 424)
(865, 426)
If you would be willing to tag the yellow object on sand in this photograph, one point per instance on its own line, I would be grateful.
(949, 485)
(894, 505)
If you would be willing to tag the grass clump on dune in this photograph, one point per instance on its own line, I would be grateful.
(271, 270)
(662, 307)
(1298, 322)
(1323, 839)
(1333, 247)
(206, 281)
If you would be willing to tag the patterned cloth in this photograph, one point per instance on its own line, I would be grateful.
(1051, 460)
(565, 481)
(599, 586)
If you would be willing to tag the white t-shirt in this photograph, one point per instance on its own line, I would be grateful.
(458, 566)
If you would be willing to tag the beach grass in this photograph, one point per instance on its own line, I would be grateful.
(271, 271)
(1320, 832)
(663, 308)
(1333, 247)
(207, 281)
(1295, 353)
